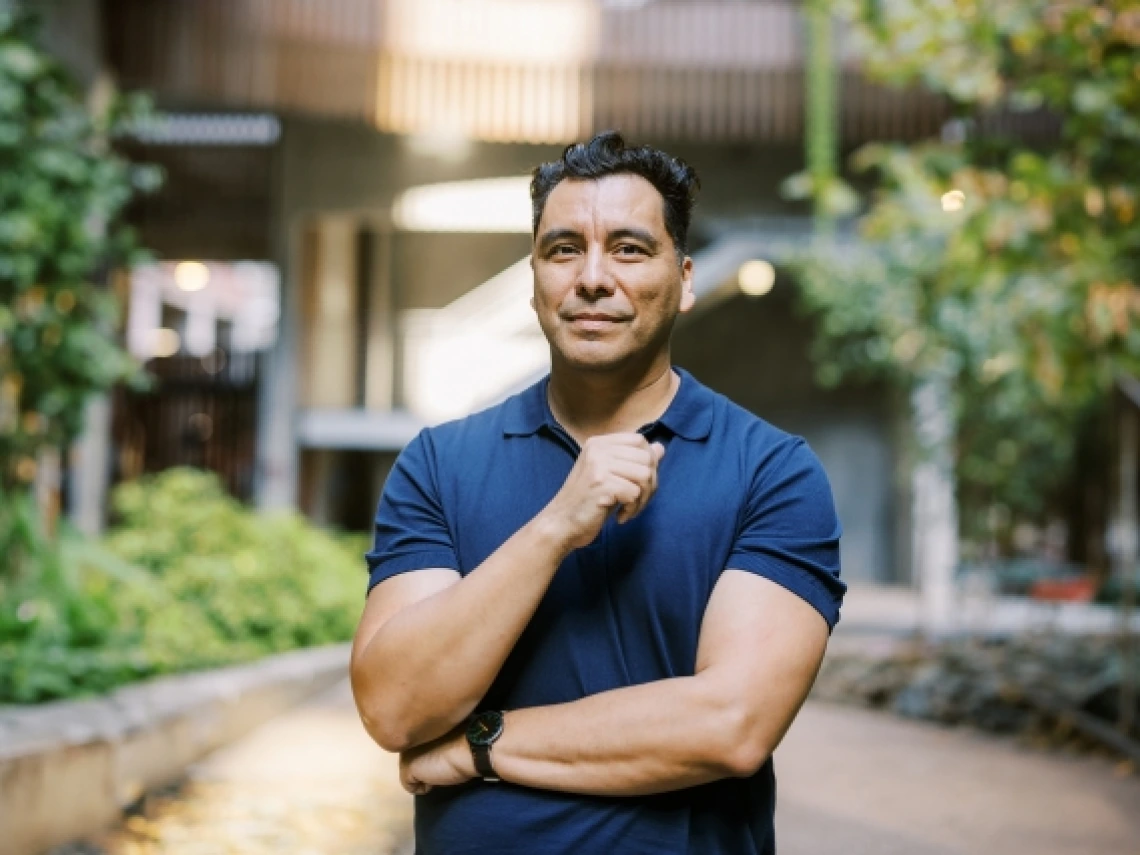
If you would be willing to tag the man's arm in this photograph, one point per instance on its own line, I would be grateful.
(429, 644)
(759, 651)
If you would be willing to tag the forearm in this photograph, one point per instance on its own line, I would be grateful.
(643, 739)
(428, 666)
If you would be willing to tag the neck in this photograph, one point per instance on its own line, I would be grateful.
(591, 403)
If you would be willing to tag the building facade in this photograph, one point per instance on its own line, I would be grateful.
(376, 153)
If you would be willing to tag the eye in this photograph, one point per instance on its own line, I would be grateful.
(563, 249)
(630, 249)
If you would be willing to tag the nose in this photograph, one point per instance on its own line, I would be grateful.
(595, 280)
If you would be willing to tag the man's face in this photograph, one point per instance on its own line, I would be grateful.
(607, 285)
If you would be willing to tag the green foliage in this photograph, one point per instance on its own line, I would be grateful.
(1011, 268)
(62, 189)
(189, 579)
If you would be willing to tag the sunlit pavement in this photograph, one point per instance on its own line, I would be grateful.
(309, 782)
(851, 782)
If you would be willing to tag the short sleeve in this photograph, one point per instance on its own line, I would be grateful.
(411, 531)
(789, 531)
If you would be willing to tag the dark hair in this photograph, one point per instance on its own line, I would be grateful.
(607, 154)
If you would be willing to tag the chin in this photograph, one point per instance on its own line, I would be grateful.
(595, 358)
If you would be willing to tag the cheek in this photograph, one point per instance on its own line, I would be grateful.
(551, 290)
(653, 299)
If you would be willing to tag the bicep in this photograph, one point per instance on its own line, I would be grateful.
(764, 644)
(395, 594)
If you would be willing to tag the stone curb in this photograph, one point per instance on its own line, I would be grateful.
(68, 769)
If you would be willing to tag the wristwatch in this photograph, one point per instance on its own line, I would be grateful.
(482, 731)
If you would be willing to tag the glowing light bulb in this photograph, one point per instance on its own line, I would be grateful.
(953, 200)
(756, 277)
(191, 275)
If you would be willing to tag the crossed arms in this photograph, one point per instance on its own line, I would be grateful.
(430, 644)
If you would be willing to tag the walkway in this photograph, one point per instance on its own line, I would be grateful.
(851, 782)
(857, 782)
(309, 782)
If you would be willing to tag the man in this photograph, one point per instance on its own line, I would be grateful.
(627, 578)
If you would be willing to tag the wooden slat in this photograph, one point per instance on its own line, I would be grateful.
(706, 70)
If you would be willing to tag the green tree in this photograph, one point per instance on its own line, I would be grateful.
(62, 191)
(1004, 263)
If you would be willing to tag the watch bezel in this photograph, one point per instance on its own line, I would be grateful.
(484, 728)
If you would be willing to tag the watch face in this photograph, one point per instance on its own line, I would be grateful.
(485, 728)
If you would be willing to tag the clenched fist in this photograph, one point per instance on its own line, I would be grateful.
(618, 469)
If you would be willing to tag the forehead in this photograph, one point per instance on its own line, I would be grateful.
(614, 201)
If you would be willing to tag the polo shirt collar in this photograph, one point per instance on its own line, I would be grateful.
(689, 415)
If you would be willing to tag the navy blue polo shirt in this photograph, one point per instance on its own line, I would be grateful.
(734, 492)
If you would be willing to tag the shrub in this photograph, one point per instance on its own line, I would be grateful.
(188, 579)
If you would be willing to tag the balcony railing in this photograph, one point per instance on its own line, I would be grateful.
(504, 70)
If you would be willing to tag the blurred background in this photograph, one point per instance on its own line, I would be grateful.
(249, 248)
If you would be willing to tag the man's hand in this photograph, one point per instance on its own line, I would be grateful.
(443, 763)
(612, 470)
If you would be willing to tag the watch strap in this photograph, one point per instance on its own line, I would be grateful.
(482, 757)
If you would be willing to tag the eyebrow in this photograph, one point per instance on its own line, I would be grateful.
(635, 234)
(555, 235)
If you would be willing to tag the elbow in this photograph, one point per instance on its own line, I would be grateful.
(744, 749)
(380, 721)
(389, 717)
(384, 726)
(390, 738)
(745, 760)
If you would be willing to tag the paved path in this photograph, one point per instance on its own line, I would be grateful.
(857, 782)
(309, 782)
(851, 782)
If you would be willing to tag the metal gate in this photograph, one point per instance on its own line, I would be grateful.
(200, 412)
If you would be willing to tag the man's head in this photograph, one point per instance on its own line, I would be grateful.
(610, 231)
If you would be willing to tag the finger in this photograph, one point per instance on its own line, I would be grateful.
(626, 491)
(628, 495)
(629, 470)
(626, 438)
(629, 453)
(658, 451)
(645, 478)
(414, 786)
(649, 488)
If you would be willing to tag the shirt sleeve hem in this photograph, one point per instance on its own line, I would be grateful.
(394, 565)
(798, 582)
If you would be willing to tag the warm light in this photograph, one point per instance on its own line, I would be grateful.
(485, 205)
(953, 200)
(756, 277)
(165, 342)
(503, 32)
(191, 275)
(476, 349)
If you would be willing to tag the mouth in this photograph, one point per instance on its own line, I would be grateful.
(592, 322)
(596, 317)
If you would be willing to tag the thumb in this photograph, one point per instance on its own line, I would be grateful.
(658, 451)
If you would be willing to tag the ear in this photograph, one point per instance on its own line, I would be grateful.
(688, 298)
(533, 283)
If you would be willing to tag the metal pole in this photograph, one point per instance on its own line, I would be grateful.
(820, 115)
(935, 516)
(1127, 550)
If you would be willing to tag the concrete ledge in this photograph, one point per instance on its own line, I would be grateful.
(68, 769)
